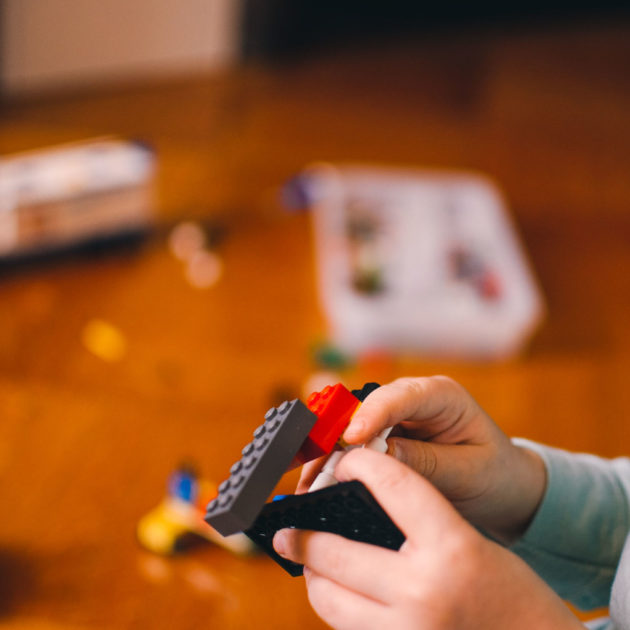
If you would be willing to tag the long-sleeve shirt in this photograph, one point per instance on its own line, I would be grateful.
(578, 541)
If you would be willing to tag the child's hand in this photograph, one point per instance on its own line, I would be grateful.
(443, 434)
(446, 576)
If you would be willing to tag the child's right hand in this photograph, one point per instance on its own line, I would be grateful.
(446, 576)
(443, 434)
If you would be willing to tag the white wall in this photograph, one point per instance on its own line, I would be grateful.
(48, 44)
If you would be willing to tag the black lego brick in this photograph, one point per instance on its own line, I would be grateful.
(365, 391)
(264, 461)
(347, 509)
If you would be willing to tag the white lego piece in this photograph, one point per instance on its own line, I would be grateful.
(379, 443)
(327, 475)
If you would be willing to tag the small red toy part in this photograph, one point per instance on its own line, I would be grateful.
(334, 407)
(489, 286)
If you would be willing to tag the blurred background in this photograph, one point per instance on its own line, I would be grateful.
(162, 287)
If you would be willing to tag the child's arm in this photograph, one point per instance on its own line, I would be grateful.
(446, 576)
(577, 535)
(443, 434)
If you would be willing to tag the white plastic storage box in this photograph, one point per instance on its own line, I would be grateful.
(419, 262)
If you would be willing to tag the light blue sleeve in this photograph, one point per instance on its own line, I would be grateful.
(600, 624)
(576, 538)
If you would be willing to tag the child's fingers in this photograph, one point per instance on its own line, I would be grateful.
(346, 562)
(416, 506)
(344, 609)
(431, 403)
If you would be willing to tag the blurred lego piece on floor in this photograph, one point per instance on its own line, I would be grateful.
(186, 239)
(295, 194)
(329, 357)
(204, 269)
(178, 521)
(104, 340)
(418, 261)
(78, 197)
(190, 243)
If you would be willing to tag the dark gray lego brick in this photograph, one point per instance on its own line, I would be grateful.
(264, 461)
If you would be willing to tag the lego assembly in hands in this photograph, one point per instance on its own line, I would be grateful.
(291, 435)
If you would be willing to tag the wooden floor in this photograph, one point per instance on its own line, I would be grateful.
(86, 446)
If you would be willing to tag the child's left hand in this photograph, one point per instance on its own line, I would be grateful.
(446, 575)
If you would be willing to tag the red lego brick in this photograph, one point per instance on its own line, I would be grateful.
(334, 407)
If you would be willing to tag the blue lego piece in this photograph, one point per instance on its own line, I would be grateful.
(279, 497)
(182, 484)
